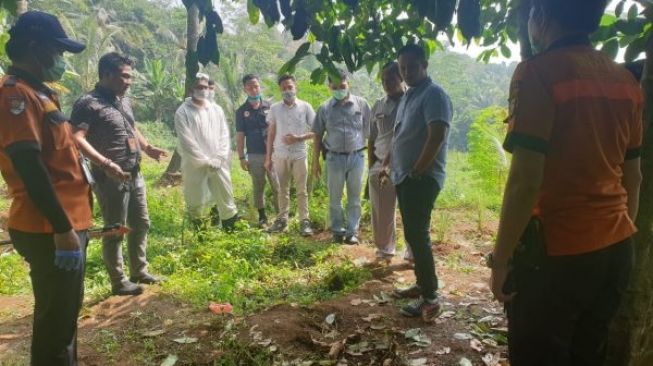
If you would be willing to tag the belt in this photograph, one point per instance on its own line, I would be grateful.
(347, 153)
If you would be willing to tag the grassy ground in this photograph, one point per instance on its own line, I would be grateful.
(251, 269)
(250, 264)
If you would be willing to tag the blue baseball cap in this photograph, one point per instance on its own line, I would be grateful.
(40, 26)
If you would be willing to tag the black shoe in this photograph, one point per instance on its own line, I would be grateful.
(127, 288)
(145, 278)
(351, 240)
(215, 216)
(263, 222)
(229, 225)
(338, 238)
(411, 292)
(197, 224)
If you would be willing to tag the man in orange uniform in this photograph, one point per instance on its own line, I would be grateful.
(51, 198)
(572, 194)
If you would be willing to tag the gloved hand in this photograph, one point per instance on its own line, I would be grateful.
(68, 260)
(216, 163)
(67, 254)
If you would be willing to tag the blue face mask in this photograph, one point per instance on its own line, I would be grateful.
(56, 71)
(255, 99)
(340, 94)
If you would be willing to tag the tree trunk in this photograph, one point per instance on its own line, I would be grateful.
(21, 7)
(631, 339)
(193, 35)
(192, 67)
(174, 166)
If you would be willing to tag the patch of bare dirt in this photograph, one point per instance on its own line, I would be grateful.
(369, 318)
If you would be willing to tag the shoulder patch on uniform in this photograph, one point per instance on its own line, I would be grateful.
(16, 104)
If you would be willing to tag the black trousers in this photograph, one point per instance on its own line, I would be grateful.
(416, 199)
(58, 296)
(561, 312)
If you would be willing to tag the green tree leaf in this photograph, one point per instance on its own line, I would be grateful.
(635, 48)
(505, 51)
(289, 67)
(631, 26)
(633, 12)
(611, 48)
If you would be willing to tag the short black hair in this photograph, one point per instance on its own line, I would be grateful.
(247, 78)
(572, 15)
(285, 77)
(112, 62)
(211, 82)
(412, 49)
(342, 73)
(393, 67)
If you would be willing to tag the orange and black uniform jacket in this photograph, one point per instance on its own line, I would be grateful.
(584, 112)
(39, 159)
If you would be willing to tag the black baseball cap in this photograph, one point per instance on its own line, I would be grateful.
(40, 26)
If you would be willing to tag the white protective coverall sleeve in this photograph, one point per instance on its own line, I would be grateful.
(224, 140)
(188, 143)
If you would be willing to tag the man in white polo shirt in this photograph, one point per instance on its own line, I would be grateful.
(290, 122)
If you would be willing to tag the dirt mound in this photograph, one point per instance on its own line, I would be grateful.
(365, 327)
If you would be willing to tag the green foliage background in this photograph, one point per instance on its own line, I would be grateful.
(250, 269)
(153, 33)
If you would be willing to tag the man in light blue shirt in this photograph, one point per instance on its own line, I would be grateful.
(341, 128)
(418, 162)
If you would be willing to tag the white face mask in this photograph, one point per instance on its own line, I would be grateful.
(212, 94)
(201, 94)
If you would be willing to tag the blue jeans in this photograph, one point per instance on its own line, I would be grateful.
(341, 169)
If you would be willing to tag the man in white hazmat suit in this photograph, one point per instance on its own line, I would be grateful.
(204, 144)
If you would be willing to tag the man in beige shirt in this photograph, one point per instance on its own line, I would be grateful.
(290, 122)
(383, 197)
